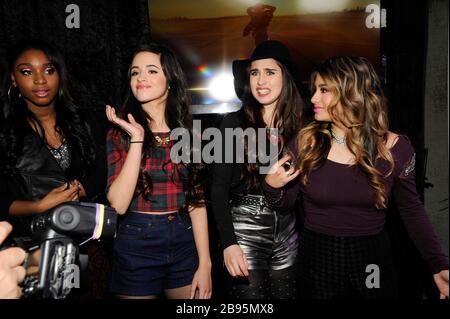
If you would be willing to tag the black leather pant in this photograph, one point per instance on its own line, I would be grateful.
(269, 240)
(265, 284)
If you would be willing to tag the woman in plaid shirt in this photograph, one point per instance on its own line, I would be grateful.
(162, 242)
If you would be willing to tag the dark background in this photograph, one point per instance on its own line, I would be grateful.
(99, 52)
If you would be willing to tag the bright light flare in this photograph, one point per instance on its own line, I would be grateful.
(221, 87)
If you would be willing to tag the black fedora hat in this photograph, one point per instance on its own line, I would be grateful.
(270, 49)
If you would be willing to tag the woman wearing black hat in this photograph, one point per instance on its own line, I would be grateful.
(260, 244)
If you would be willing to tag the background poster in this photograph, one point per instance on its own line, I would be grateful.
(209, 35)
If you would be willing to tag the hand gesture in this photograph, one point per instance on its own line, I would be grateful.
(82, 191)
(278, 176)
(441, 280)
(64, 193)
(202, 282)
(132, 128)
(11, 271)
(235, 261)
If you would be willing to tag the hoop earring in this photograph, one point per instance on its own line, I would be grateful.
(9, 93)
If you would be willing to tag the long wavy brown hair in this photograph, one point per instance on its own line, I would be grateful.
(357, 89)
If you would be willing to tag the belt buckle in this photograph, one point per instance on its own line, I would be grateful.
(261, 204)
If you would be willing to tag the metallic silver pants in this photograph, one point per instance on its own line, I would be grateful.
(268, 238)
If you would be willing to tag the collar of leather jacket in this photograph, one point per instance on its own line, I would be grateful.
(38, 172)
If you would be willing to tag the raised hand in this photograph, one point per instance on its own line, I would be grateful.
(132, 128)
(279, 176)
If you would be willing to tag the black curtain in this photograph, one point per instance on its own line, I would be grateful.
(97, 56)
(403, 48)
(97, 53)
(403, 63)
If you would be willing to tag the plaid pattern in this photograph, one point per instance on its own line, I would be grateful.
(167, 194)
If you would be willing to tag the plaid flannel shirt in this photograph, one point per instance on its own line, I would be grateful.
(167, 194)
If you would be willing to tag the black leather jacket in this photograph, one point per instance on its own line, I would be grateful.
(36, 173)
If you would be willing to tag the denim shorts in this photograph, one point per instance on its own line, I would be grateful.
(152, 253)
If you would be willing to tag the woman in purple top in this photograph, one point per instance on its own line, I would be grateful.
(349, 164)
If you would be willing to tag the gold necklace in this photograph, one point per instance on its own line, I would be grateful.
(162, 141)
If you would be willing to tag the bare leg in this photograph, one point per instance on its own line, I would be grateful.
(179, 293)
(136, 297)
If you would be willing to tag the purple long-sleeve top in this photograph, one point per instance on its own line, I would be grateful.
(338, 201)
